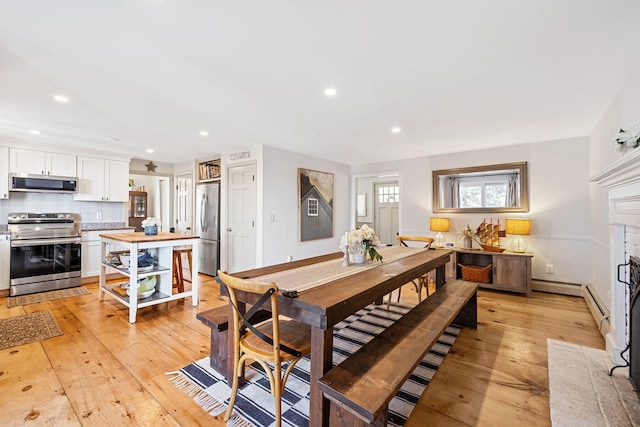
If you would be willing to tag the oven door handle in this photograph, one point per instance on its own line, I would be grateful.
(32, 242)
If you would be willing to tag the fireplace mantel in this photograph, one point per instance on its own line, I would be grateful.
(622, 180)
(622, 172)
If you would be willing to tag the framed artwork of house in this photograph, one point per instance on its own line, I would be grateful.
(315, 204)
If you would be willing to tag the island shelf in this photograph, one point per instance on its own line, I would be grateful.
(162, 245)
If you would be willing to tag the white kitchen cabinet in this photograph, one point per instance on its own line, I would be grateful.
(4, 261)
(36, 162)
(91, 250)
(4, 172)
(102, 180)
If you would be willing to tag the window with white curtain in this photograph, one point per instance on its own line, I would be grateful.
(479, 193)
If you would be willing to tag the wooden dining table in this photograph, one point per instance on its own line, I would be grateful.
(332, 300)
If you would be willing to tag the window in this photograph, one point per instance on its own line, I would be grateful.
(312, 207)
(388, 194)
(483, 194)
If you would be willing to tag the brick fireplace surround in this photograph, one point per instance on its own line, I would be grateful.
(622, 181)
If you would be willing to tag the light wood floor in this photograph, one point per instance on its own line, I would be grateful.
(106, 372)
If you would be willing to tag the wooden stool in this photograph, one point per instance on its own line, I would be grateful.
(177, 267)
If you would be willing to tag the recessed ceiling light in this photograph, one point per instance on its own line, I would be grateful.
(204, 133)
(61, 98)
(34, 132)
(149, 150)
(396, 129)
(330, 91)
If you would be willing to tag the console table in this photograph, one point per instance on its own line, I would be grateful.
(510, 271)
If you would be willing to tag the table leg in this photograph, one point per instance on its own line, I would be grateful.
(440, 276)
(321, 362)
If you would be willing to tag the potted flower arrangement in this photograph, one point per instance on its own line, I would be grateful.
(627, 139)
(468, 236)
(150, 226)
(360, 241)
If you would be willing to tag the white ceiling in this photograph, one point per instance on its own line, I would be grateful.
(455, 75)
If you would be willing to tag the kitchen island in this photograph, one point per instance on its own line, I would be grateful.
(160, 247)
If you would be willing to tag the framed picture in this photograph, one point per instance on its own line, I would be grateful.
(315, 204)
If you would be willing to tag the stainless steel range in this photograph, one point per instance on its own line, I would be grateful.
(45, 252)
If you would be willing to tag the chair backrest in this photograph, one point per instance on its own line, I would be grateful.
(261, 290)
(427, 241)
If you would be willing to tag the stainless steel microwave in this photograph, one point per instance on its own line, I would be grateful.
(43, 183)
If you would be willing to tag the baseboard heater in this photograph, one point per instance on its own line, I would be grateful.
(554, 287)
(599, 312)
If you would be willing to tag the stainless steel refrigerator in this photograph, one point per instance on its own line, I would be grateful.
(208, 227)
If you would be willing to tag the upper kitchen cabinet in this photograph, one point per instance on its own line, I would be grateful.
(37, 162)
(102, 180)
(4, 172)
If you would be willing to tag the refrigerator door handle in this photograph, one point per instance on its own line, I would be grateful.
(203, 213)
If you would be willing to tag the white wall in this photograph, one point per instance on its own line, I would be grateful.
(280, 206)
(558, 191)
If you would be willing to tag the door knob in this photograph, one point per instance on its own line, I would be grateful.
(229, 229)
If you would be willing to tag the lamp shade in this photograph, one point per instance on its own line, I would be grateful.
(439, 224)
(521, 227)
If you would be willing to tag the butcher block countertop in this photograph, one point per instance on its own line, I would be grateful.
(140, 237)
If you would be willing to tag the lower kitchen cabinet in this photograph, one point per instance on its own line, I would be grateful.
(5, 250)
(91, 250)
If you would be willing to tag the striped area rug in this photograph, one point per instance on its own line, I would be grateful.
(254, 404)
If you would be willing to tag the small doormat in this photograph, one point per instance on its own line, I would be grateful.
(255, 405)
(26, 329)
(46, 296)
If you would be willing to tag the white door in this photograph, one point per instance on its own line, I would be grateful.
(184, 202)
(241, 218)
(386, 202)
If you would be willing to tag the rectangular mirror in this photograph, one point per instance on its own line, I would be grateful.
(491, 188)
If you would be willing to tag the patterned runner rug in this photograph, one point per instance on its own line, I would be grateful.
(46, 296)
(254, 404)
(34, 327)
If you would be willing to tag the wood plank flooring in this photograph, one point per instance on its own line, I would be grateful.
(105, 371)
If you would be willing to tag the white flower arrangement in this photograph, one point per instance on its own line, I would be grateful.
(628, 138)
(150, 222)
(364, 235)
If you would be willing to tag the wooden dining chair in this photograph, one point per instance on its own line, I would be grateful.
(423, 281)
(274, 341)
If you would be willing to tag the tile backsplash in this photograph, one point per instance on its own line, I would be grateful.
(54, 202)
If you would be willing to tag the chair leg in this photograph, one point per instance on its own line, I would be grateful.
(234, 389)
(190, 260)
(277, 393)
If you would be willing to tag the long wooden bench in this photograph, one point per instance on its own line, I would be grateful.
(218, 320)
(361, 387)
